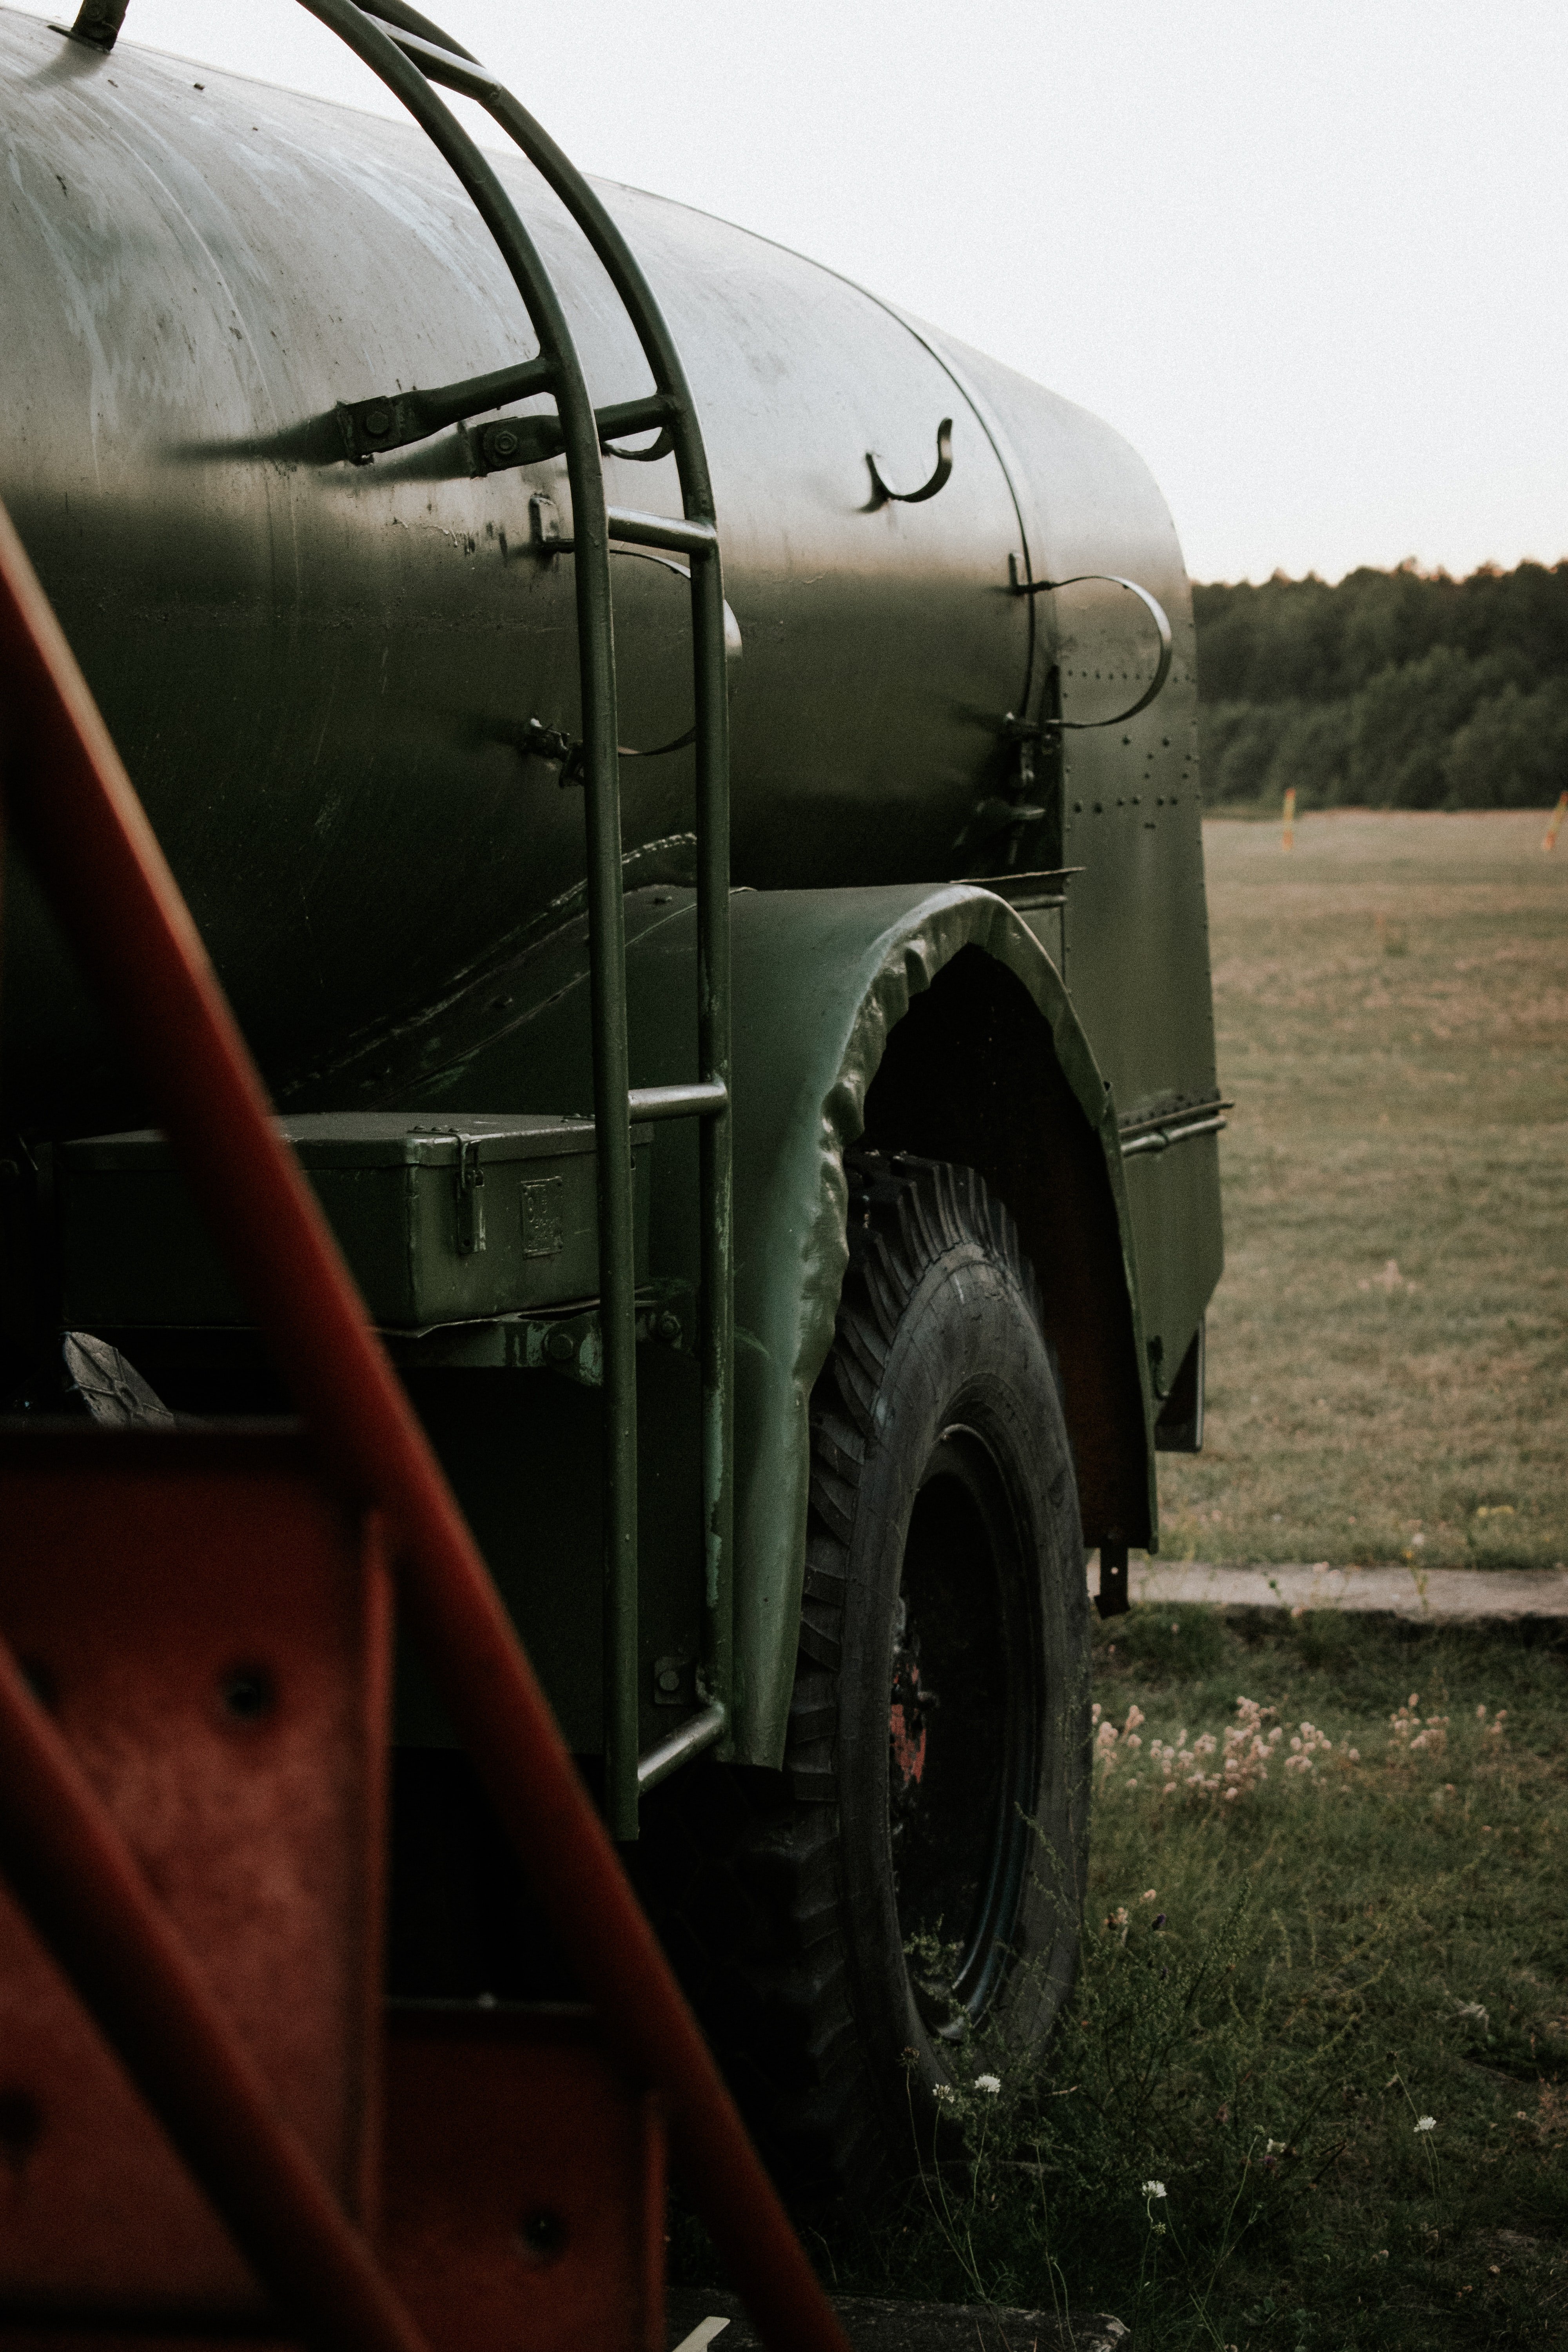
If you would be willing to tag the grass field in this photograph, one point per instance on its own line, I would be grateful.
(1388, 1350)
(1312, 2091)
(1327, 2016)
(1277, 1989)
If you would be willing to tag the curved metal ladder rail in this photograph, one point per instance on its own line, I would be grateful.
(408, 53)
(674, 410)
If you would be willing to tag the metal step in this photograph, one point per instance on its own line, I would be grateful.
(524, 2198)
(209, 1627)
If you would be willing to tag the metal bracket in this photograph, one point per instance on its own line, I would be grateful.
(1112, 1599)
(530, 440)
(1020, 587)
(671, 1680)
(1140, 1136)
(883, 496)
(541, 742)
(1028, 736)
(650, 410)
(544, 526)
(624, 416)
(514, 441)
(994, 819)
(574, 1345)
(554, 746)
(98, 23)
(392, 420)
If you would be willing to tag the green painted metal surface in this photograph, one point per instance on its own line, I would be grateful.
(323, 676)
(522, 1452)
(821, 978)
(349, 695)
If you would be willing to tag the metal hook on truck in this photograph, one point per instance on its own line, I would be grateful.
(779, 1178)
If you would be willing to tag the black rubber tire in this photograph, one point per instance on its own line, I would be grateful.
(947, 1814)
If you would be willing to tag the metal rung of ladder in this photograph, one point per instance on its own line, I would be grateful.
(702, 1101)
(409, 54)
(662, 531)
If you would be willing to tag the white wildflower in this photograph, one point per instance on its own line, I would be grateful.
(1411, 1736)
(1153, 2188)
(1426, 2123)
(992, 2083)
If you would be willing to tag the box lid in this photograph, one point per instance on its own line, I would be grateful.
(374, 1139)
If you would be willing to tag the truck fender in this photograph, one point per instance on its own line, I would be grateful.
(922, 1018)
(927, 1019)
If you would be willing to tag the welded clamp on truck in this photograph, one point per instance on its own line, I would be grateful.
(688, 778)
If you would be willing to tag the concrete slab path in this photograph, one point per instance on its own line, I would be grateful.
(1482, 1595)
(708, 2320)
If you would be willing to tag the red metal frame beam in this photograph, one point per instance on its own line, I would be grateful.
(69, 1868)
(100, 863)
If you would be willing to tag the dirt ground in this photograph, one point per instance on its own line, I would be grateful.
(1388, 1349)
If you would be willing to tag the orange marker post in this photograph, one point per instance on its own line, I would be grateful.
(1554, 822)
(1287, 840)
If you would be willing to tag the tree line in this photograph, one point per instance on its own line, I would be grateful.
(1392, 690)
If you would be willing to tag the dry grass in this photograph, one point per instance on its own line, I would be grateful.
(1388, 1359)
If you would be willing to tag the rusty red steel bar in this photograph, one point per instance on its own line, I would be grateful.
(69, 1868)
(99, 862)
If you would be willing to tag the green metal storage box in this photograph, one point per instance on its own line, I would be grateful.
(442, 1221)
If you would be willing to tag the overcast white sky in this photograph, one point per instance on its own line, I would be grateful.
(1310, 259)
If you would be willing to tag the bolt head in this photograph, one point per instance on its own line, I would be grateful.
(542, 2236)
(669, 1326)
(378, 420)
(503, 442)
(559, 1346)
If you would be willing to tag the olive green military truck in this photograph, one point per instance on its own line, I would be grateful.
(687, 775)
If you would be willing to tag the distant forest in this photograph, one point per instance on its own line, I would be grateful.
(1394, 690)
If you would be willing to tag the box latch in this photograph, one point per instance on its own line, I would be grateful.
(471, 1182)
